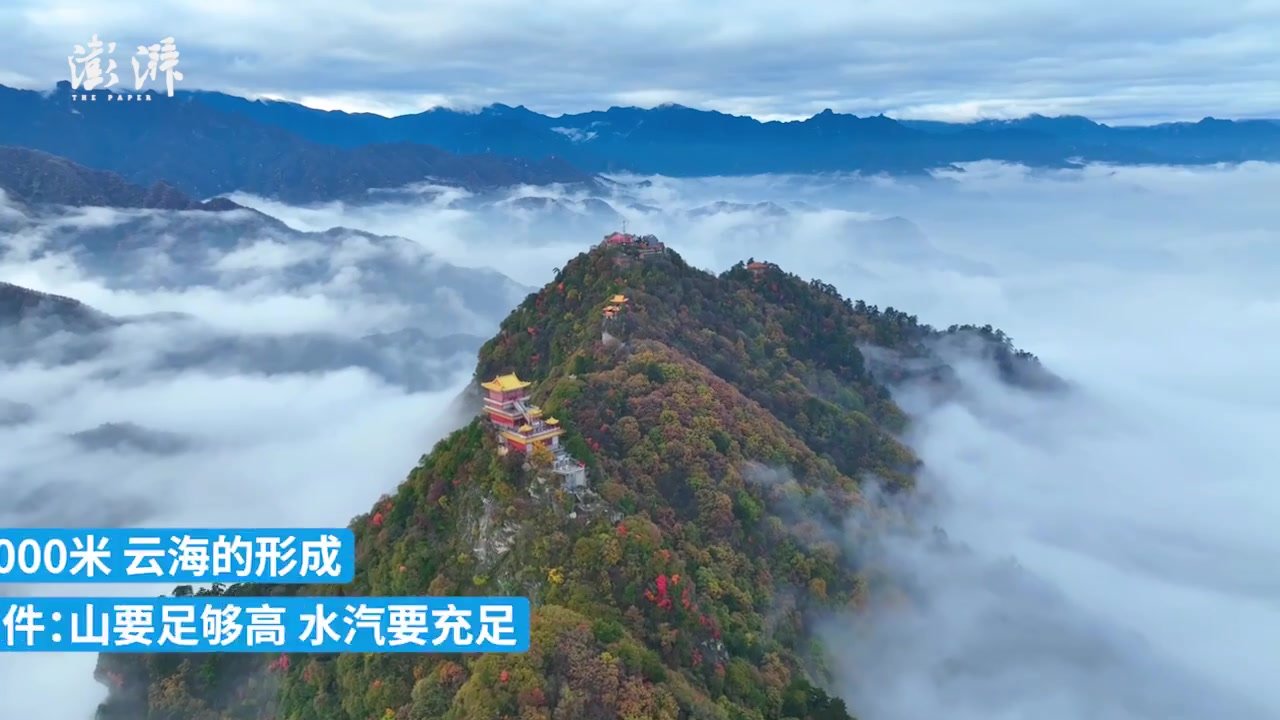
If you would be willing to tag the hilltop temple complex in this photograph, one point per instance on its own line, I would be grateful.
(521, 427)
(757, 268)
(638, 244)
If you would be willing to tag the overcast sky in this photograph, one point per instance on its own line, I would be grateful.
(1131, 61)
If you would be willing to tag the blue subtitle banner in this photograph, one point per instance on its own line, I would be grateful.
(40, 555)
(224, 624)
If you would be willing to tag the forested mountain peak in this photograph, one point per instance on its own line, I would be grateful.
(728, 425)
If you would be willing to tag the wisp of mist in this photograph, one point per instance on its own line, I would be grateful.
(1109, 548)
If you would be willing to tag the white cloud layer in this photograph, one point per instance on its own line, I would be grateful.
(1141, 510)
(1139, 60)
(265, 407)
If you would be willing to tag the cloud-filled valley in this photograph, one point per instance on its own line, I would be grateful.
(1110, 548)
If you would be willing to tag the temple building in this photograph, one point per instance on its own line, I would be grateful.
(638, 244)
(615, 306)
(521, 426)
(611, 311)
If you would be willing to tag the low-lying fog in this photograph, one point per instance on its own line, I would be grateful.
(1120, 543)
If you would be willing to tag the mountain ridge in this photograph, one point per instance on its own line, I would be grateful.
(205, 152)
(729, 425)
(408, 357)
(20, 305)
(1034, 140)
(39, 178)
(500, 108)
(300, 154)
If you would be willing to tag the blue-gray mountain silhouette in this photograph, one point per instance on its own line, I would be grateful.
(38, 178)
(206, 143)
(204, 151)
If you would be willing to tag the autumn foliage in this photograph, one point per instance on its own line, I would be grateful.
(721, 437)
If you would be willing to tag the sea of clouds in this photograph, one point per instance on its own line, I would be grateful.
(1116, 547)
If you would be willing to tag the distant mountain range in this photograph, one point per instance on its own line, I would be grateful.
(137, 249)
(56, 330)
(681, 141)
(205, 151)
(43, 182)
(54, 312)
(207, 143)
(431, 312)
(38, 178)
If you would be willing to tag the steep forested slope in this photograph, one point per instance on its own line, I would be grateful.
(729, 425)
